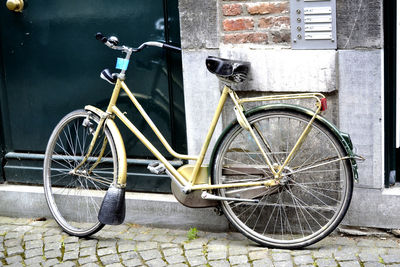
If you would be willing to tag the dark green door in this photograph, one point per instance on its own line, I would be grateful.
(51, 64)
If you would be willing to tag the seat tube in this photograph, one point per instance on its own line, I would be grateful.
(214, 121)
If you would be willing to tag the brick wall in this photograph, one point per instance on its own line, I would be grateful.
(256, 22)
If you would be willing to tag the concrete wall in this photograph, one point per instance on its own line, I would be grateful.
(198, 20)
(359, 24)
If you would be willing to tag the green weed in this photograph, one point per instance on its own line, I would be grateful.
(192, 233)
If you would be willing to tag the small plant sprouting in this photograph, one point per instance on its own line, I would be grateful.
(192, 233)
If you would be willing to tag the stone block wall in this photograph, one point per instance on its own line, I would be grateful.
(351, 76)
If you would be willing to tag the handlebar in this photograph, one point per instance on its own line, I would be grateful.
(112, 42)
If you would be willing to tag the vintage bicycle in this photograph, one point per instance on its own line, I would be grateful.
(281, 173)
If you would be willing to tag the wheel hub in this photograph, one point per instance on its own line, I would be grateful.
(79, 172)
(286, 176)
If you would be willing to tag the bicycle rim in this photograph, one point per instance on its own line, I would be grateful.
(74, 199)
(314, 194)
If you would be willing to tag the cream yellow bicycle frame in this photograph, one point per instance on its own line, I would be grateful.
(194, 179)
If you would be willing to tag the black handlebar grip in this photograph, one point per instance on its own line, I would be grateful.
(101, 37)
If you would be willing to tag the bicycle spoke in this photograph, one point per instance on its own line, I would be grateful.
(305, 188)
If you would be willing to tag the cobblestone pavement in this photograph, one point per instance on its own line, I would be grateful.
(26, 242)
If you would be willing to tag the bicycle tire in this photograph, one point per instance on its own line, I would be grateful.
(75, 199)
(311, 201)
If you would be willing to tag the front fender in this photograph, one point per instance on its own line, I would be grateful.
(118, 142)
(343, 137)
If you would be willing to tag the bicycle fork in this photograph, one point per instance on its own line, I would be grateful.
(86, 123)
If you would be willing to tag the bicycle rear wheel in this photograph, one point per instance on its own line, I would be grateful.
(314, 192)
(74, 199)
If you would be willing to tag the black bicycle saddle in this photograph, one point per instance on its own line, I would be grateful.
(228, 70)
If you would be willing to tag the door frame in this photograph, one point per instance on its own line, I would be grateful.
(391, 35)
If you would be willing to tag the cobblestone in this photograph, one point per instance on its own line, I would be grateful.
(133, 262)
(126, 246)
(156, 263)
(53, 238)
(12, 242)
(256, 255)
(52, 246)
(194, 252)
(71, 255)
(14, 250)
(106, 243)
(349, 264)
(88, 259)
(11, 235)
(33, 252)
(389, 259)
(146, 246)
(72, 247)
(33, 244)
(197, 260)
(51, 262)
(263, 262)
(237, 250)
(326, 263)
(106, 251)
(240, 259)
(216, 255)
(172, 251)
(87, 251)
(303, 260)
(220, 263)
(150, 254)
(14, 259)
(34, 260)
(45, 244)
(281, 256)
(109, 259)
(88, 243)
(50, 254)
(129, 255)
(175, 259)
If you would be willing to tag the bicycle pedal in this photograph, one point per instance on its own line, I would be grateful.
(156, 168)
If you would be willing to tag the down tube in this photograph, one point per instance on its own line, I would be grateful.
(150, 146)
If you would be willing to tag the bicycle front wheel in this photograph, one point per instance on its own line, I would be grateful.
(73, 195)
(313, 194)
